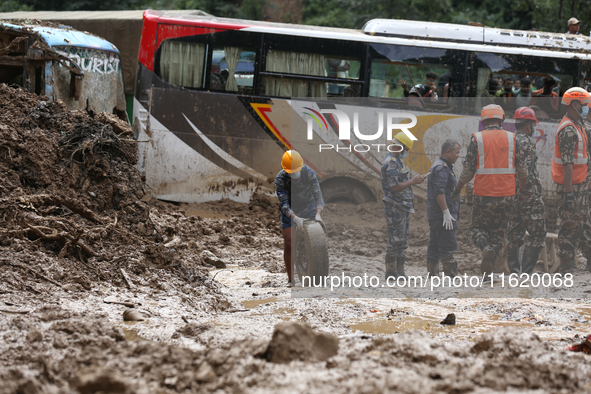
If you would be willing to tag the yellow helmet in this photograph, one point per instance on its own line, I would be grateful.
(292, 161)
(404, 139)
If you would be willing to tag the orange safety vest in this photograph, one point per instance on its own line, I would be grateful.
(580, 164)
(495, 166)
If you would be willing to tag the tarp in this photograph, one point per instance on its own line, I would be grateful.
(121, 28)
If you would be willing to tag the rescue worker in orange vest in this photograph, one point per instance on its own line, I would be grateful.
(492, 159)
(569, 172)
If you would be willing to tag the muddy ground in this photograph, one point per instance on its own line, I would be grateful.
(77, 228)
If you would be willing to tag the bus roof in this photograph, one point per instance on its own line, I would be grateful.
(476, 34)
(481, 39)
(64, 36)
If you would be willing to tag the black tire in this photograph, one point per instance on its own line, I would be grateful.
(346, 189)
(311, 253)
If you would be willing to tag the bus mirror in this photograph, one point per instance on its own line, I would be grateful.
(76, 85)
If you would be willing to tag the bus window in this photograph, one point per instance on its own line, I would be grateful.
(181, 63)
(298, 63)
(542, 85)
(232, 69)
(343, 69)
(419, 77)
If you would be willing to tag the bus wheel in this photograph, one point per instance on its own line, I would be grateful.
(346, 189)
(311, 253)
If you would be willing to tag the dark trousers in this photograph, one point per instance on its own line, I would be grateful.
(442, 243)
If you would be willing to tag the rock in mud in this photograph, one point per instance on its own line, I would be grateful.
(90, 381)
(212, 259)
(34, 336)
(295, 341)
(205, 373)
(449, 320)
(132, 315)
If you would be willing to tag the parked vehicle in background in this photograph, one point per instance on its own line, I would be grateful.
(214, 136)
(121, 28)
(82, 70)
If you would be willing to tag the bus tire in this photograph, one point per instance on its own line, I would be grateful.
(346, 189)
(311, 253)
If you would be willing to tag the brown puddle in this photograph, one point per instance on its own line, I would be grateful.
(404, 323)
(254, 303)
(132, 335)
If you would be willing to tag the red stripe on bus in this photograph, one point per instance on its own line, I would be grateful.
(158, 28)
(261, 110)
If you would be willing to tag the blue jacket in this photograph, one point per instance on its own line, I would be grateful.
(442, 180)
(303, 196)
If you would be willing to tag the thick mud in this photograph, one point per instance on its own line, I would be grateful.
(81, 242)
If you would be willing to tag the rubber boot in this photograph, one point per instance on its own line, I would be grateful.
(530, 259)
(450, 267)
(400, 266)
(488, 262)
(433, 267)
(513, 260)
(567, 265)
(391, 267)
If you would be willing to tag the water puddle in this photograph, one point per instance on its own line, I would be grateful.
(131, 334)
(254, 303)
(400, 324)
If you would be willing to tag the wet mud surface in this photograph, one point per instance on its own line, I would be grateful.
(81, 243)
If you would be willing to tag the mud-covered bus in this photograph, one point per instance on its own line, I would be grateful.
(218, 101)
(78, 68)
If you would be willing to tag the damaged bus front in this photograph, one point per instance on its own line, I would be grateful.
(82, 70)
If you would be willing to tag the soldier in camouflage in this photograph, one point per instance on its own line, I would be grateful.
(490, 214)
(570, 172)
(528, 212)
(398, 204)
(585, 242)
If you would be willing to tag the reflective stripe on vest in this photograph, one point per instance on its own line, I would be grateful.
(495, 169)
(580, 161)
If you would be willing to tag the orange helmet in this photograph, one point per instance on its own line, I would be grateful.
(492, 111)
(292, 161)
(576, 94)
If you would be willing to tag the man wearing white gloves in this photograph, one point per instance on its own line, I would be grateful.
(299, 197)
(442, 212)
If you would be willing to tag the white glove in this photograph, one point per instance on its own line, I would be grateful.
(318, 218)
(448, 220)
(299, 222)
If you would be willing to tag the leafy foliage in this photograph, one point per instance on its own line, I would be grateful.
(544, 15)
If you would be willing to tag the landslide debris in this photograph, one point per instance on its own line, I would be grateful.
(74, 209)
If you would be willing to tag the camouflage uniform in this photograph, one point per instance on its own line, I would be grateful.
(528, 211)
(570, 234)
(490, 214)
(397, 208)
(585, 242)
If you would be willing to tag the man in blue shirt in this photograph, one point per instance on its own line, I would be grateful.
(398, 204)
(442, 212)
(299, 197)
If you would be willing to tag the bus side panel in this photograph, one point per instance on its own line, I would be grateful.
(206, 146)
